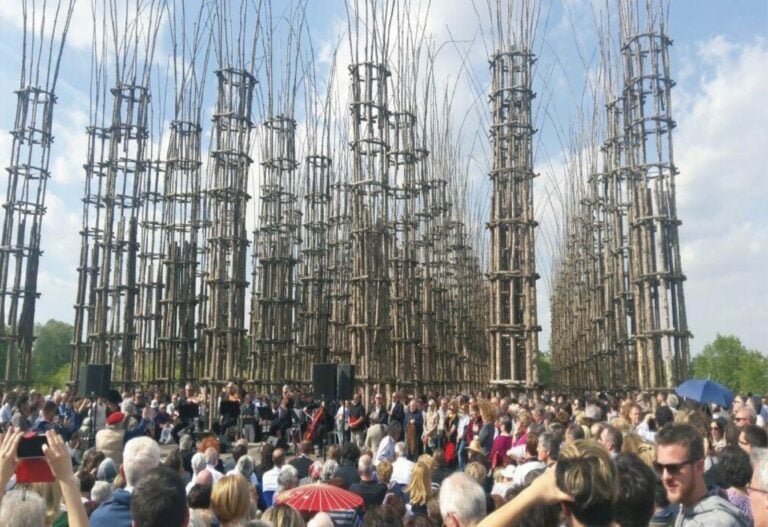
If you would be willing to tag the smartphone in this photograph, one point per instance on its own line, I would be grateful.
(31, 447)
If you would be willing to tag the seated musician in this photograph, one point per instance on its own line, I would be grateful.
(282, 422)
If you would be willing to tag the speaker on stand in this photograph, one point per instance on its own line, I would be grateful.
(94, 383)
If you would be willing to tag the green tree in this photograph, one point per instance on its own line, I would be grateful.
(545, 370)
(728, 362)
(52, 349)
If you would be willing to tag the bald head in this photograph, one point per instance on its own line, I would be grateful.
(204, 477)
(278, 457)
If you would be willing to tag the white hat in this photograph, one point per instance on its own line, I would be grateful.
(508, 472)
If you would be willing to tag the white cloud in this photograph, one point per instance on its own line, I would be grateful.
(720, 146)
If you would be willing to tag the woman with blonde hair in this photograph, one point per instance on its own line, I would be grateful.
(635, 444)
(282, 515)
(419, 489)
(231, 500)
(487, 430)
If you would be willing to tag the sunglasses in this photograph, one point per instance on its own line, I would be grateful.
(672, 469)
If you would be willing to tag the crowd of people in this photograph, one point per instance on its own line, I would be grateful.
(623, 459)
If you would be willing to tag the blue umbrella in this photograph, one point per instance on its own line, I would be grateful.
(706, 391)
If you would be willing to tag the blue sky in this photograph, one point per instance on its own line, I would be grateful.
(720, 63)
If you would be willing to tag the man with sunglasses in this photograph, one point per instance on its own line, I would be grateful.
(680, 466)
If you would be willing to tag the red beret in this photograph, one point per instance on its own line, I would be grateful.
(115, 418)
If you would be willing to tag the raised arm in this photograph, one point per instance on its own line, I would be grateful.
(58, 457)
(543, 491)
(9, 443)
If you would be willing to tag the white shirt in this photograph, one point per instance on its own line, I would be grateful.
(215, 473)
(643, 431)
(386, 450)
(6, 413)
(524, 469)
(269, 479)
(463, 422)
(402, 470)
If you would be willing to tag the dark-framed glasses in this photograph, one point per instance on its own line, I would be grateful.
(751, 489)
(672, 469)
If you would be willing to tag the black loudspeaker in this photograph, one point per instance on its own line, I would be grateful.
(324, 381)
(345, 382)
(94, 380)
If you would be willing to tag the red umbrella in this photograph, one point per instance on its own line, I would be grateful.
(320, 497)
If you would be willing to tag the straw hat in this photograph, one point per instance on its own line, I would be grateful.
(474, 446)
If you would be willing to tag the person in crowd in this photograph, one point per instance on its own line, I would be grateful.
(476, 454)
(265, 461)
(502, 443)
(110, 440)
(320, 519)
(573, 433)
(680, 465)
(548, 448)
(502, 480)
(248, 418)
(283, 516)
(199, 503)
(736, 472)
(371, 491)
(287, 479)
(386, 450)
(717, 434)
(382, 516)
(419, 490)
(330, 474)
(269, 480)
(530, 462)
(431, 426)
(212, 462)
(396, 411)
(377, 420)
(414, 428)
(231, 500)
(139, 457)
(402, 468)
(348, 467)
(758, 486)
(642, 423)
(612, 440)
(745, 416)
(302, 462)
(440, 469)
(479, 473)
(101, 492)
(464, 421)
(159, 499)
(584, 482)
(245, 466)
(635, 505)
(198, 464)
(357, 421)
(451, 434)
(47, 418)
(462, 501)
(751, 436)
